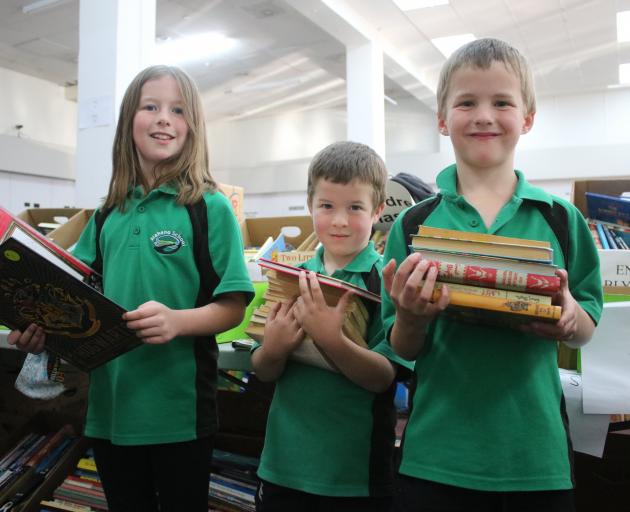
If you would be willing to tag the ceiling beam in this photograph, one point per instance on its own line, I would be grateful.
(346, 25)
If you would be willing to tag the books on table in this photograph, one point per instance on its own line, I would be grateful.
(284, 287)
(491, 279)
(43, 284)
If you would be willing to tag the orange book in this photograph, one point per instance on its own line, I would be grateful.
(516, 311)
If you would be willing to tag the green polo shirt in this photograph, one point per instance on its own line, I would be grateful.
(325, 434)
(488, 407)
(160, 393)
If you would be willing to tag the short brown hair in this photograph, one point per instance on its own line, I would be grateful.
(345, 161)
(189, 170)
(481, 53)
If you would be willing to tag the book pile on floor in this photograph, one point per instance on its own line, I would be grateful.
(81, 490)
(25, 467)
(233, 482)
(284, 287)
(492, 279)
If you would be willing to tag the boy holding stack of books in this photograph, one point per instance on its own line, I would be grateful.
(488, 428)
(330, 435)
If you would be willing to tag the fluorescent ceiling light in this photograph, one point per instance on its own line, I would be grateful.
(390, 100)
(623, 26)
(447, 45)
(412, 5)
(197, 47)
(624, 73)
(41, 4)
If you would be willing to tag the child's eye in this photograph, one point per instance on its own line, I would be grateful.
(178, 110)
(150, 107)
(503, 104)
(356, 207)
(465, 104)
(325, 206)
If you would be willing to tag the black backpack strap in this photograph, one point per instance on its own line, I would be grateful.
(99, 219)
(416, 216)
(372, 280)
(558, 220)
(208, 278)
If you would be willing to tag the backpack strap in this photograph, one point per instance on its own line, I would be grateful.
(99, 219)
(416, 216)
(558, 220)
(208, 278)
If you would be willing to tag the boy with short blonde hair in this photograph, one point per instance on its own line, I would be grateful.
(488, 427)
(330, 436)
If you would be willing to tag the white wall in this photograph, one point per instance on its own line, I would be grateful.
(48, 117)
(38, 167)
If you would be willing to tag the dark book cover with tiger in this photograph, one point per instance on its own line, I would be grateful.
(82, 326)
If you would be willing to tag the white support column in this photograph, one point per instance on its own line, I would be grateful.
(365, 92)
(116, 40)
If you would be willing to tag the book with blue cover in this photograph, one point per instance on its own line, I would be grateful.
(615, 209)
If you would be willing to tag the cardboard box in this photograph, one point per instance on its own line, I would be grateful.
(236, 196)
(295, 229)
(35, 216)
(614, 263)
(256, 231)
(67, 234)
(610, 187)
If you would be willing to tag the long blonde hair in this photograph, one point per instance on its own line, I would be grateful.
(188, 171)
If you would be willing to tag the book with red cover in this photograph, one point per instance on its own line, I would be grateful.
(494, 272)
(326, 282)
(43, 284)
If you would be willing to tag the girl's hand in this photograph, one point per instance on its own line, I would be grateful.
(566, 328)
(411, 287)
(31, 340)
(320, 321)
(283, 334)
(153, 322)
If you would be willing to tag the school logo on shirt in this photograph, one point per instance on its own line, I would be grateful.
(167, 242)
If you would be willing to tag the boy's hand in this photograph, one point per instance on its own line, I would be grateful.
(320, 321)
(153, 322)
(283, 333)
(31, 340)
(566, 328)
(411, 287)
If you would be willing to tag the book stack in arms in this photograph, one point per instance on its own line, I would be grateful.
(491, 279)
(43, 284)
(284, 287)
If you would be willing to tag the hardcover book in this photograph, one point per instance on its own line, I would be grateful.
(42, 284)
(499, 273)
(613, 209)
(440, 239)
(284, 287)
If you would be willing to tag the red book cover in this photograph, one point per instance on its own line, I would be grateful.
(502, 278)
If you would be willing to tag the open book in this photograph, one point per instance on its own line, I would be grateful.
(43, 284)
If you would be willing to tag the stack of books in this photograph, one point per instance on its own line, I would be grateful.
(233, 482)
(284, 287)
(491, 279)
(82, 489)
(26, 466)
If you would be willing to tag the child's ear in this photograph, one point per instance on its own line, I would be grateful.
(442, 126)
(528, 122)
(378, 211)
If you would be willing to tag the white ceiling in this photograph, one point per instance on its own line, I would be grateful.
(287, 60)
